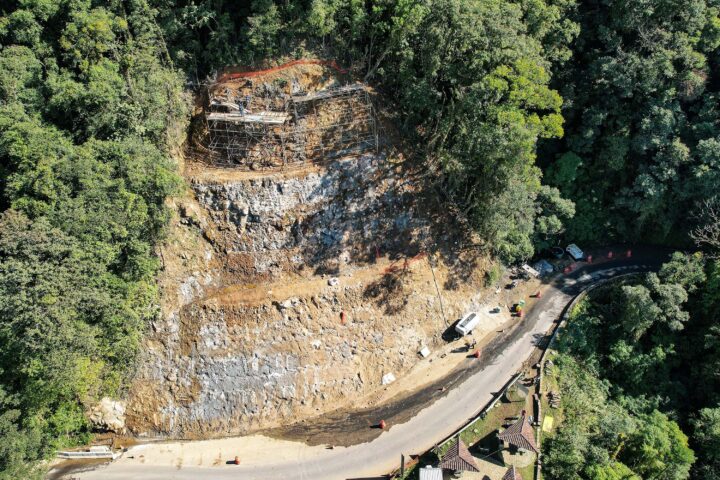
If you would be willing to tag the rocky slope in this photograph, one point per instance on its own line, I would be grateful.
(289, 294)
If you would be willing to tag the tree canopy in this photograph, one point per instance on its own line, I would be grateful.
(649, 343)
(640, 154)
(87, 99)
(543, 121)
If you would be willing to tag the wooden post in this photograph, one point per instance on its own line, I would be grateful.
(442, 309)
(402, 464)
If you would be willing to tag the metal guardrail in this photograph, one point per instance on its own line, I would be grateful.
(71, 455)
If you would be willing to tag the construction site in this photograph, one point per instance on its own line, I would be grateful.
(273, 118)
(305, 267)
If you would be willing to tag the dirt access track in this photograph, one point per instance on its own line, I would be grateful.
(416, 421)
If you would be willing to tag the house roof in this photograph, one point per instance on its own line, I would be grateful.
(520, 434)
(430, 473)
(512, 474)
(458, 458)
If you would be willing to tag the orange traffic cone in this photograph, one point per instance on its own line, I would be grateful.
(382, 424)
(237, 460)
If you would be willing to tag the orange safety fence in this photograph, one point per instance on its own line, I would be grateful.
(256, 73)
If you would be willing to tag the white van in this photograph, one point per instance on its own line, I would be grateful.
(575, 252)
(468, 322)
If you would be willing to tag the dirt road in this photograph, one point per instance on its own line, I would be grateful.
(416, 422)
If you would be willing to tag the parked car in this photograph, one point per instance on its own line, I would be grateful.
(575, 252)
(544, 267)
(467, 323)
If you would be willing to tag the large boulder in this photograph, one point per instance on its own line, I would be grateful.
(108, 415)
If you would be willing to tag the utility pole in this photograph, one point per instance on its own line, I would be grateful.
(437, 289)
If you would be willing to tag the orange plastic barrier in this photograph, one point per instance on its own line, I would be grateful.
(256, 73)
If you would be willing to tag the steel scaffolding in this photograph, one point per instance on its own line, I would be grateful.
(313, 127)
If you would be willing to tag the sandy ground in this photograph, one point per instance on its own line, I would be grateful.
(251, 450)
(295, 287)
(431, 424)
(262, 450)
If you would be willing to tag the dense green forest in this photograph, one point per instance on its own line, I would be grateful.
(88, 97)
(641, 150)
(639, 364)
(543, 120)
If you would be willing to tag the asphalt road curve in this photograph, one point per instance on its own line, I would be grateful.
(420, 420)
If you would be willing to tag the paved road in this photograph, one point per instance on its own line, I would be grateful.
(425, 429)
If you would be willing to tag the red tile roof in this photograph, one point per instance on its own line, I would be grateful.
(512, 474)
(520, 434)
(458, 458)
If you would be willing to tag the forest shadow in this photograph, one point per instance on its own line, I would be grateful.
(540, 340)
(488, 448)
(372, 207)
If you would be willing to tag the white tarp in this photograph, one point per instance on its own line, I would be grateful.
(388, 378)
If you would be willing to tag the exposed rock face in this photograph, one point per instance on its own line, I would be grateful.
(340, 214)
(301, 317)
(109, 415)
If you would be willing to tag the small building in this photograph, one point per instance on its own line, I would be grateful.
(431, 473)
(520, 435)
(458, 458)
(511, 474)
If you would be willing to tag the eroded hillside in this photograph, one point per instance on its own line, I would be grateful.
(292, 291)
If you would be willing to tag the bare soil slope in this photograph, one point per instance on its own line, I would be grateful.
(291, 293)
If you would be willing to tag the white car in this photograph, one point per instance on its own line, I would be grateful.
(575, 252)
